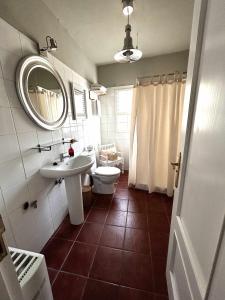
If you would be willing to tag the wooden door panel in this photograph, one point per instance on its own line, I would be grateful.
(199, 204)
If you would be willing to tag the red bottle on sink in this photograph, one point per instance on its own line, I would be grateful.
(71, 151)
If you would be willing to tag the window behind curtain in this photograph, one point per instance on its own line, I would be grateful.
(123, 100)
(115, 119)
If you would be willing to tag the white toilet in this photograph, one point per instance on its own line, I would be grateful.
(104, 178)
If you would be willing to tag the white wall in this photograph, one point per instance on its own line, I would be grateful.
(125, 74)
(36, 20)
(20, 180)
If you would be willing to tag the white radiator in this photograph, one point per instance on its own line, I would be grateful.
(32, 274)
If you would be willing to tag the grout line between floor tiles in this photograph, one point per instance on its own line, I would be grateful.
(98, 245)
(112, 283)
(60, 269)
(150, 253)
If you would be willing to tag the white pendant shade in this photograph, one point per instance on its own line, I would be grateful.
(130, 55)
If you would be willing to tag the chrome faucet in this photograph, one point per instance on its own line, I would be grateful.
(62, 156)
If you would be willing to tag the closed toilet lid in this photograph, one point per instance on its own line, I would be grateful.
(107, 171)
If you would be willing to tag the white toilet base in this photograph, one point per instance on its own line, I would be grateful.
(101, 188)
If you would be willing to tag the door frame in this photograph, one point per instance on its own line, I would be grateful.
(177, 235)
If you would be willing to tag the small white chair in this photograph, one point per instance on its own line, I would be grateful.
(103, 157)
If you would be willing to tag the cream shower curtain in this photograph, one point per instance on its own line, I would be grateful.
(154, 135)
(47, 103)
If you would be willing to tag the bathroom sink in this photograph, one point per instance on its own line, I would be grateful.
(73, 166)
(71, 170)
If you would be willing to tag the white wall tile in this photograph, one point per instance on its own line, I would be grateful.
(4, 102)
(57, 135)
(11, 173)
(10, 40)
(8, 233)
(27, 140)
(1, 74)
(22, 121)
(10, 87)
(9, 62)
(20, 179)
(44, 136)
(38, 184)
(6, 121)
(58, 204)
(32, 162)
(16, 196)
(29, 47)
(34, 236)
(66, 132)
(9, 149)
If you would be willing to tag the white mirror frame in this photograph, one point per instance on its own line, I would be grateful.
(25, 66)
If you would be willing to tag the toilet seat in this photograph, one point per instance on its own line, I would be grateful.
(107, 171)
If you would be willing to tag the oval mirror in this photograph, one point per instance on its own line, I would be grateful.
(42, 92)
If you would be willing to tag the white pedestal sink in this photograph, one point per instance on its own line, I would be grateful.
(71, 170)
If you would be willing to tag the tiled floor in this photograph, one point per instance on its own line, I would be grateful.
(119, 253)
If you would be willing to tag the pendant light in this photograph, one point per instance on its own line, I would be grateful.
(128, 53)
(128, 7)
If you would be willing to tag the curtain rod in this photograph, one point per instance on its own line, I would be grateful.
(177, 76)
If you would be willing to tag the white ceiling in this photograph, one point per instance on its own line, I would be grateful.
(97, 26)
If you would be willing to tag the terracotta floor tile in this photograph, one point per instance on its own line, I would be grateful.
(102, 202)
(68, 231)
(159, 244)
(159, 268)
(117, 218)
(137, 206)
(130, 267)
(107, 265)
(80, 259)
(136, 240)
(136, 220)
(132, 294)
(119, 204)
(137, 271)
(96, 290)
(86, 212)
(97, 215)
(156, 204)
(90, 233)
(123, 184)
(68, 287)
(121, 193)
(158, 222)
(169, 205)
(112, 236)
(161, 297)
(52, 274)
(135, 195)
(56, 251)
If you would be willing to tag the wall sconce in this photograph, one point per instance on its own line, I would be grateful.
(51, 44)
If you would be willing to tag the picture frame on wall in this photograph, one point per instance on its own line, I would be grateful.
(78, 102)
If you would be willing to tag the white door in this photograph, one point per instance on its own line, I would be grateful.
(196, 258)
(9, 285)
